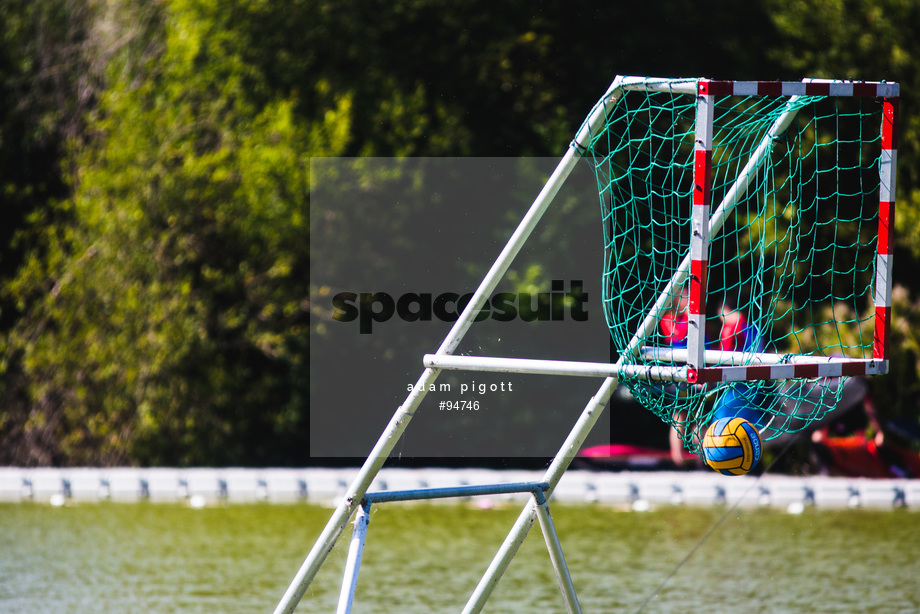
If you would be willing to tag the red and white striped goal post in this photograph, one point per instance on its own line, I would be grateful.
(804, 366)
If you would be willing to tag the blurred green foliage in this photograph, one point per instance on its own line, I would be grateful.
(155, 173)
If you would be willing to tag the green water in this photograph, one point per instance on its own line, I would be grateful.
(111, 557)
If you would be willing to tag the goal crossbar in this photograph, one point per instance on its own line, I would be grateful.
(805, 87)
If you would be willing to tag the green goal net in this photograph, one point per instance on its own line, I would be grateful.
(744, 269)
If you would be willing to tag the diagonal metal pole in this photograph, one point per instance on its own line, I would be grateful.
(555, 554)
(400, 420)
(528, 515)
(353, 562)
(597, 403)
(732, 197)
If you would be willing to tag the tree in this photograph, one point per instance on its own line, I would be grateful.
(166, 313)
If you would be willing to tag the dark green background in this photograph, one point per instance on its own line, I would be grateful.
(155, 181)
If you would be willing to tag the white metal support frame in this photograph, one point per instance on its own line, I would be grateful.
(400, 420)
(536, 509)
